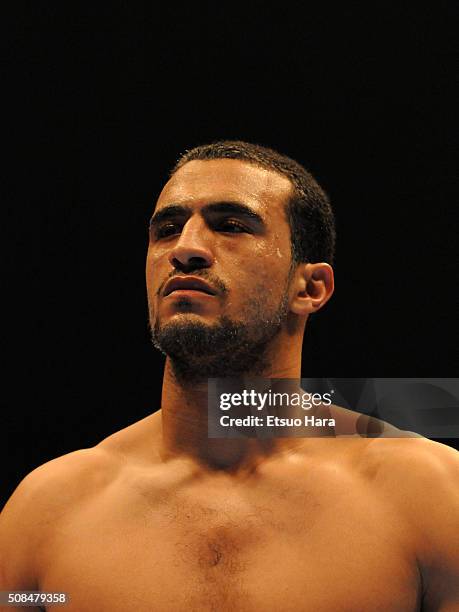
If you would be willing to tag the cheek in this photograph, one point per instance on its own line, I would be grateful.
(266, 272)
(273, 258)
(153, 258)
(149, 268)
(276, 248)
(154, 266)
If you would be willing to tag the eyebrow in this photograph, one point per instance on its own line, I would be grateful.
(183, 210)
(169, 212)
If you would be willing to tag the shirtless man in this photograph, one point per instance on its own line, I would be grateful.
(158, 517)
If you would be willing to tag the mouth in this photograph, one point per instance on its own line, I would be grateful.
(188, 284)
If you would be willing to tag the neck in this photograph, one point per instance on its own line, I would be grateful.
(185, 423)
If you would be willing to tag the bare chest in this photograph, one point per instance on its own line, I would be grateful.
(242, 550)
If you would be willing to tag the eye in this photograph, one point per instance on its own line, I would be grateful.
(168, 229)
(231, 226)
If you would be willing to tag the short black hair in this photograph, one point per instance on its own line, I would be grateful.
(309, 212)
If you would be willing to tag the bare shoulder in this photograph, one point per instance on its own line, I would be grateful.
(74, 477)
(49, 488)
(421, 478)
(419, 473)
(416, 459)
(40, 500)
(75, 473)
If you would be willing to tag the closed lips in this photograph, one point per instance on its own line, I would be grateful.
(190, 284)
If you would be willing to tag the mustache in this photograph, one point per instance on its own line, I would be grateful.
(213, 280)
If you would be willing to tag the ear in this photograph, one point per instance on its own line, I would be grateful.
(314, 285)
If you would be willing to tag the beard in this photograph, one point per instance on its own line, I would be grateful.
(227, 348)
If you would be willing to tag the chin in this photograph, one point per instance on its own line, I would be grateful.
(182, 323)
(184, 318)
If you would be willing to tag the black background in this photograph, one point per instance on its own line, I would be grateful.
(99, 104)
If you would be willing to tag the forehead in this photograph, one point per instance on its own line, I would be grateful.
(217, 180)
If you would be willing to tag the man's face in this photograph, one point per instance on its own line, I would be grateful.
(219, 255)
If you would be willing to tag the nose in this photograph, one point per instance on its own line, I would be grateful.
(191, 251)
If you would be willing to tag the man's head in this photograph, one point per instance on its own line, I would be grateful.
(240, 246)
(308, 210)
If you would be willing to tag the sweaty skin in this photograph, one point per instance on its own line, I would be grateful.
(157, 517)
